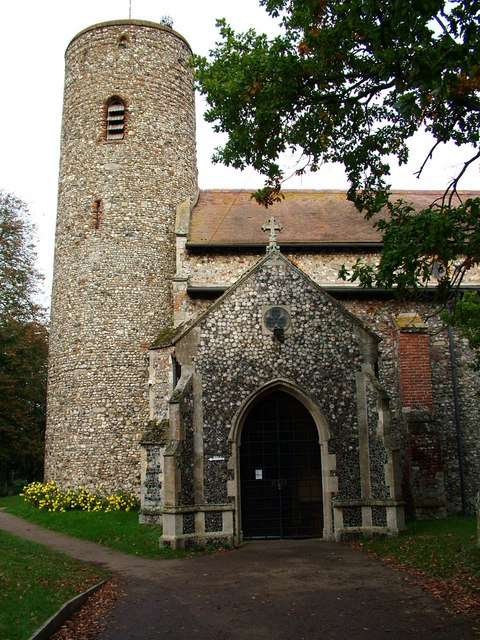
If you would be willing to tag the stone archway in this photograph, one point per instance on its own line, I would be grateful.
(280, 470)
(299, 505)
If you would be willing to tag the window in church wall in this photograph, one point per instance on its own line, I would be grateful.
(97, 211)
(176, 371)
(115, 124)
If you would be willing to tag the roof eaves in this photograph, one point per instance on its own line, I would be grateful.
(196, 247)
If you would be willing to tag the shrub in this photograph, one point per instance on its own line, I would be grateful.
(120, 502)
(48, 497)
(45, 496)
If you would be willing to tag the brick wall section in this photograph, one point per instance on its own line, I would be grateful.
(424, 472)
(415, 373)
(425, 452)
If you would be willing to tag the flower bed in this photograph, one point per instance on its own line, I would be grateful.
(49, 497)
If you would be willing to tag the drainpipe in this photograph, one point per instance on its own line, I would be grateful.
(457, 414)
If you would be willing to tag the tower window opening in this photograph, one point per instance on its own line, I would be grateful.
(115, 119)
(97, 213)
(123, 41)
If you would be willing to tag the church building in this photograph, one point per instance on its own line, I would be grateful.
(204, 353)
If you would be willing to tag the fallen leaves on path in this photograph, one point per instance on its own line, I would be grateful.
(87, 623)
(456, 597)
(459, 595)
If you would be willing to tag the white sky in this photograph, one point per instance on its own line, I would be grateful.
(34, 36)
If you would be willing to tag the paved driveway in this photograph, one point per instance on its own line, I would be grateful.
(285, 590)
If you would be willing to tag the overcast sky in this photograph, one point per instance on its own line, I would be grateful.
(34, 36)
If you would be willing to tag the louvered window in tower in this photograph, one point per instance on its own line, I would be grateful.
(115, 119)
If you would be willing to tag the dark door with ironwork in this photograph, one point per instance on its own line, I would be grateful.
(280, 470)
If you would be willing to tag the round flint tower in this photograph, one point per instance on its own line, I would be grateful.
(127, 161)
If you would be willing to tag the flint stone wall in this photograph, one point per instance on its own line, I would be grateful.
(222, 269)
(112, 275)
(322, 355)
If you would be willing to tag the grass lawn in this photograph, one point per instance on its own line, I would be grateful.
(441, 548)
(34, 583)
(117, 529)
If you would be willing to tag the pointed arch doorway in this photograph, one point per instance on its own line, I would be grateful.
(280, 470)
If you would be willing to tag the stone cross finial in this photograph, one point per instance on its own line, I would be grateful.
(272, 227)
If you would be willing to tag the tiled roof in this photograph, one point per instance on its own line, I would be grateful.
(232, 217)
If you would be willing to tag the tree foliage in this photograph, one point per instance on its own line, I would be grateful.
(23, 347)
(352, 82)
(19, 277)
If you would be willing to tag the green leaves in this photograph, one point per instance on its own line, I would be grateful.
(23, 347)
(245, 85)
(465, 315)
(432, 246)
(347, 82)
(19, 278)
(351, 82)
(23, 380)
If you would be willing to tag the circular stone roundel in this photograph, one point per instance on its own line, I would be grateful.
(277, 318)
